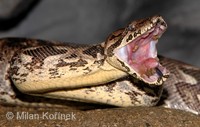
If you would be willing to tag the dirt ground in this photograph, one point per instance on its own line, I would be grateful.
(113, 117)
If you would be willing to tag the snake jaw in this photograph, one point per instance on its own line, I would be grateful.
(140, 55)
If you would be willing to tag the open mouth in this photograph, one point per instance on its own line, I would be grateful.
(141, 56)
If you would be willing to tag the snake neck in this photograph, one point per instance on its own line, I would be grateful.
(48, 67)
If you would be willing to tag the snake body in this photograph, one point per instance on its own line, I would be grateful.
(122, 71)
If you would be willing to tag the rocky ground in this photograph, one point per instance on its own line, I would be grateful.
(115, 117)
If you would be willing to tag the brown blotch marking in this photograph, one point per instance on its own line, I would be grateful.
(71, 56)
(166, 76)
(88, 91)
(133, 95)
(136, 33)
(7, 76)
(15, 79)
(79, 63)
(110, 87)
(73, 69)
(61, 63)
(112, 47)
(130, 37)
(123, 65)
(91, 90)
(163, 24)
(159, 80)
(134, 75)
(93, 50)
(113, 36)
(1, 57)
(20, 80)
(87, 69)
(34, 64)
(100, 62)
(142, 22)
(14, 70)
(15, 58)
(53, 71)
(24, 75)
(153, 91)
(155, 101)
(55, 76)
(12, 96)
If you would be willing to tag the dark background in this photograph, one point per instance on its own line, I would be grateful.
(91, 21)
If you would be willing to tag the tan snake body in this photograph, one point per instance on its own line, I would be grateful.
(114, 72)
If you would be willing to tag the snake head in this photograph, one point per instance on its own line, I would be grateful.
(133, 50)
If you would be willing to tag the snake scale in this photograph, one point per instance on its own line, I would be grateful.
(123, 71)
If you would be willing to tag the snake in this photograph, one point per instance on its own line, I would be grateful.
(123, 71)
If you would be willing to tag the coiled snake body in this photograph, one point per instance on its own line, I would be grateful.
(122, 71)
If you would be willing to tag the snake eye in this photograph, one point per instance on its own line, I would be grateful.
(131, 28)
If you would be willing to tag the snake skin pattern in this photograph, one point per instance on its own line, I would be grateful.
(96, 73)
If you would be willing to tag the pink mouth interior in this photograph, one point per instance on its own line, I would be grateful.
(141, 55)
